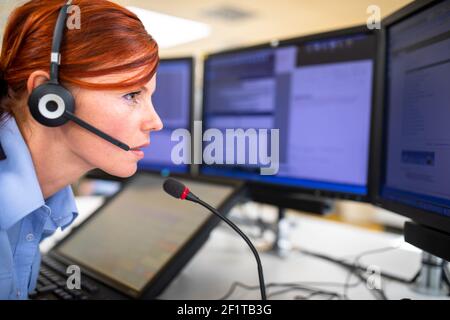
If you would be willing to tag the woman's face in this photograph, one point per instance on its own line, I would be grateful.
(128, 116)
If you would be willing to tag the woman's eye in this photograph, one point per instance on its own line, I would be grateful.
(132, 96)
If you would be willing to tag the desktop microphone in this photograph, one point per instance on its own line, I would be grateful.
(178, 190)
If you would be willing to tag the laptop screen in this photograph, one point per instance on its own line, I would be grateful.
(137, 233)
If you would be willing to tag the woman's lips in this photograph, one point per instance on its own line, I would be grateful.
(137, 150)
(141, 146)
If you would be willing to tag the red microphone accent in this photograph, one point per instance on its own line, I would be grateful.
(185, 193)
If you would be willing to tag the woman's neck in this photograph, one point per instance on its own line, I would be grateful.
(55, 165)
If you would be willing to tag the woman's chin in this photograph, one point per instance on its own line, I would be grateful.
(122, 172)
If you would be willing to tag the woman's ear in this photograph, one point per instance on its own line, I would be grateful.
(36, 79)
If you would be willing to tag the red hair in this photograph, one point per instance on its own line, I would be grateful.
(111, 40)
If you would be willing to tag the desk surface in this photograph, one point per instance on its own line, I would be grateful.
(225, 258)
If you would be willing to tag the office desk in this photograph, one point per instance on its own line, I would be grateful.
(225, 258)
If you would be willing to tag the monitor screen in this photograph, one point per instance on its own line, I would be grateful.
(172, 101)
(316, 91)
(416, 163)
(139, 232)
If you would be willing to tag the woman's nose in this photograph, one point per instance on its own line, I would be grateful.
(152, 121)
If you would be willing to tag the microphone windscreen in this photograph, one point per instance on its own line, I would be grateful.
(174, 188)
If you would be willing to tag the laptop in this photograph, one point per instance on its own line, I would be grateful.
(135, 243)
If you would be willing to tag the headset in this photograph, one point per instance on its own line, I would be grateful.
(51, 104)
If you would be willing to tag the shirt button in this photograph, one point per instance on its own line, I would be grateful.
(29, 237)
(18, 293)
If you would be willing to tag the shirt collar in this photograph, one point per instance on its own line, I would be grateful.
(20, 193)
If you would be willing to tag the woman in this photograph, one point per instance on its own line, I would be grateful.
(109, 66)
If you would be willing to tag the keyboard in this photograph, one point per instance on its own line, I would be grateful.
(52, 284)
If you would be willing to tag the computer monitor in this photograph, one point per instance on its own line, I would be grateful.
(173, 101)
(414, 142)
(317, 90)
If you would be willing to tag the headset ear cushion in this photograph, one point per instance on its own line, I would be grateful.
(49, 102)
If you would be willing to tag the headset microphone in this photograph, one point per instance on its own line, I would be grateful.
(51, 104)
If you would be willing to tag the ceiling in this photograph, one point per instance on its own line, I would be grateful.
(267, 19)
(262, 20)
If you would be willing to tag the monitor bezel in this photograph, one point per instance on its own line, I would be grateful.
(191, 62)
(421, 216)
(321, 193)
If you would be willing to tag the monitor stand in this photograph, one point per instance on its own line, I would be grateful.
(288, 199)
(281, 244)
(433, 278)
(285, 199)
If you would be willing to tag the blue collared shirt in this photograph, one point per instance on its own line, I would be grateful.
(26, 217)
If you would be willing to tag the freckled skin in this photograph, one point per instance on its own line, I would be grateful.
(128, 121)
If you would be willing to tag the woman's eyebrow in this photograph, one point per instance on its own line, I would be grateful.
(145, 89)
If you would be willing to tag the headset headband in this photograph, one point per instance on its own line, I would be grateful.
(55, 58)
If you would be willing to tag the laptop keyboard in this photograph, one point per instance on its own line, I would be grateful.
(52, 284)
